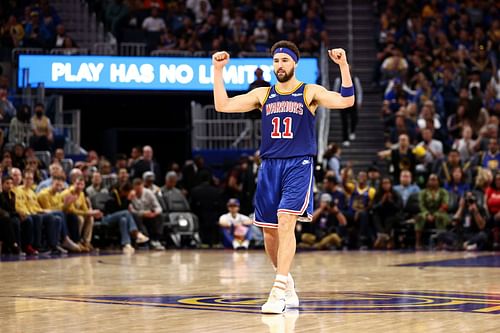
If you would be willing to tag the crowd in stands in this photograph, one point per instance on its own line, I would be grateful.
(202, 25)
(437, 66)
(185, 25)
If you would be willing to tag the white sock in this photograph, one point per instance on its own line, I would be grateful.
(280, 282)
(290, 282)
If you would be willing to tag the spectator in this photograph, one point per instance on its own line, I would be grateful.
(146, 163)
(28, 208)
(491, 159)
(13, 33)
(9, 220)
(349, 116)
(387, 209)
(147, 211)
(75, 203)
(236, 228)
(54, 169)
(433, 148)
(444, 167)
(123, 177)
(433, 209)
(470, 224)
(359, 205)
(401, 158)
(206, 202)
(18, 156)
(149, 178)
(42, 129)
(373, 176)
(117, 213)
(7, 109)
(35, 33)
(465, 145)
(174, 199)
(154, 23)
(333, 160)
(406, 187)
(50, 200)
(493, 205)
(96, 186)
(329, 223)
(62, 40)
(19, 128)
(457, 184)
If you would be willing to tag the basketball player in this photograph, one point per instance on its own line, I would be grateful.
(285, 179)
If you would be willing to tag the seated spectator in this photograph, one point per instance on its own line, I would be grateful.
(359, 204)
(465, 145)
(236, 228)
(174, 199)
(75, 203)
(395, 65)
(44, 222)
(387, 210)
(332, 159)
(444, 167)
(10, 223)
(401, 158)
(13, 33)
(96, 186)
(51, 201)
(493, 205)
(373, 176)
(54, 169)
(20, 128)
(433, 209)
(154, 23)
(457, 184)
(406, 187)
(42, 138)
(469, 232)
(117, 213)
(491, 159)
(328, 224)
(7, 109)
(6, 164)
(146, 163)
(18, 156)
(122, 177)
(62, 40)
(147, 211)
(149, 178)
(433, 148)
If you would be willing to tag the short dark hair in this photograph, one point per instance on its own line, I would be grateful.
(6, 178)
(288, 45)
(40, 104)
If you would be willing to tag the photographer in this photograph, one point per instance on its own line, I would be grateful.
(469, 225)
(328, 225)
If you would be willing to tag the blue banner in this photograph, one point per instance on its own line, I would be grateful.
(147, 73)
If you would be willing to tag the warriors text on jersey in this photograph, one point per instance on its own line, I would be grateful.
(288, 126)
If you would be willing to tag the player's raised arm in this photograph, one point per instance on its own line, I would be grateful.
(331, 99)
(241, 103)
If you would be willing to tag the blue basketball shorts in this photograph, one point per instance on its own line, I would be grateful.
(284, 186)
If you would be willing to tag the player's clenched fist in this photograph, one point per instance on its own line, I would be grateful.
(338, 56)
(220, 59)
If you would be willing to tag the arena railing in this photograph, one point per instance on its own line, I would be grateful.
(322, 114)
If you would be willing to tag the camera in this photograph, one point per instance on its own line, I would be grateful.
(471, 200)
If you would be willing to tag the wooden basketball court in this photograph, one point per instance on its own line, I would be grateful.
(221, 291)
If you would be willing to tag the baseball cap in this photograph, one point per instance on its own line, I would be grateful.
(148, 174)
(233, 202)
(325, 197)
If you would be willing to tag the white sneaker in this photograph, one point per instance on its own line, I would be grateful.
(245, 243)
(352, 136)
(236, 244)
(141, 238)
(276, 303)
(128, 249)
(346, 143)
(156, 245)
(292, 299)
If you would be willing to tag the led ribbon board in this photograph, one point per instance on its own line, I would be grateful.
(147, 73)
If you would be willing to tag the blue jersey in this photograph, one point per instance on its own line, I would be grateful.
(288, 126)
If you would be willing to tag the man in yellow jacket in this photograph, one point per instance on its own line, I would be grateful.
(50, 200)
(74, 202)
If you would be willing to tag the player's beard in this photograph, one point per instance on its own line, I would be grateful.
(286, 77)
